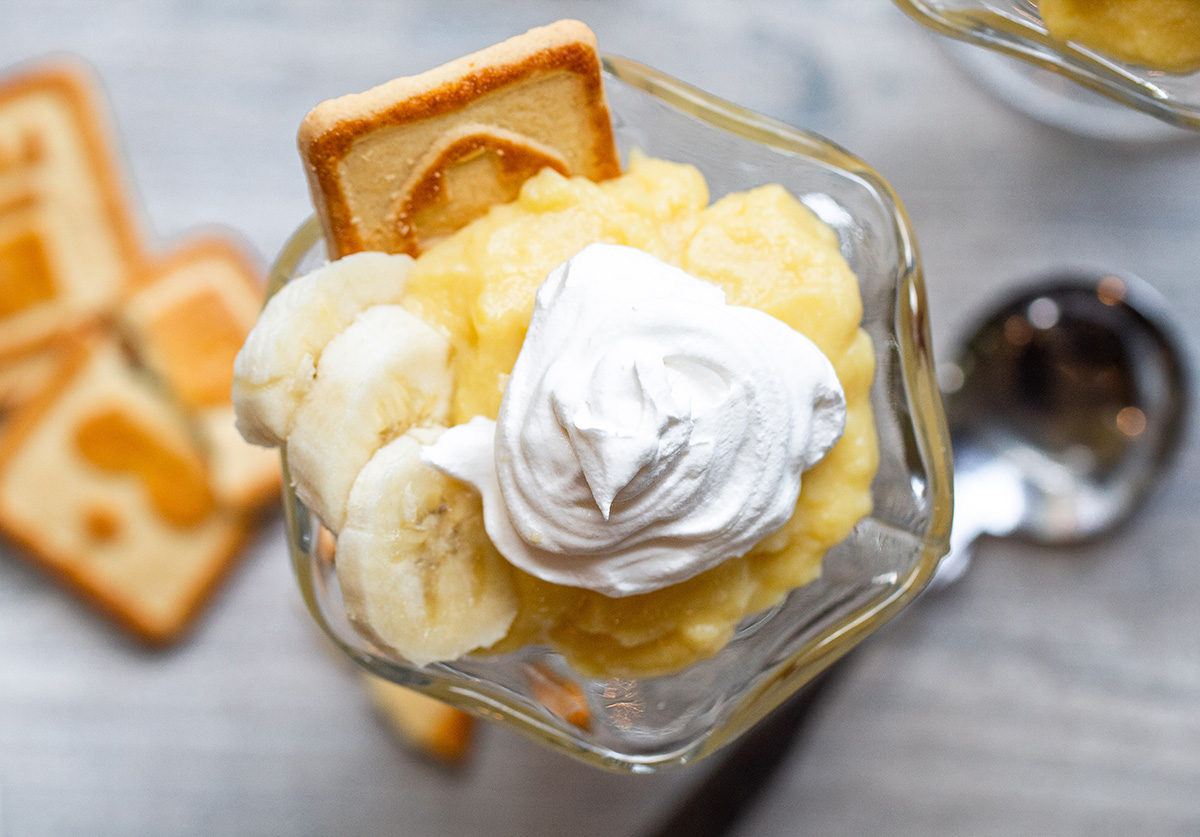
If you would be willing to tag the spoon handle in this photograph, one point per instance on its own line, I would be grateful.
(988, 499)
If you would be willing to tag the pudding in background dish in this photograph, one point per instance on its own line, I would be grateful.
(1128, 58)
(1161, 35)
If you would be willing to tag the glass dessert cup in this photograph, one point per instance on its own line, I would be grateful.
(643, 725)
(1014, 28)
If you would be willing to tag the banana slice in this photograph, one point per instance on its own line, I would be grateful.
(387, 372)
(275, 368)
(416, 569)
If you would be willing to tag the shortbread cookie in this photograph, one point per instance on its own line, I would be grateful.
(103, 482)
(428, 725)
(187, 323)
(67, 242)
(405, 164)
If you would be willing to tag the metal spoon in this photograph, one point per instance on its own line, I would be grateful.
(1065, 408)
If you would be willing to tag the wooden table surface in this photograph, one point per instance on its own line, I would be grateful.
(1051, 692)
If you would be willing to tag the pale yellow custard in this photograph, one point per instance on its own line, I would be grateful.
(766, 250)
(1158, 34)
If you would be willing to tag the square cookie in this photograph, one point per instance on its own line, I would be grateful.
(103, 482)
(68, 247)
(405, 164)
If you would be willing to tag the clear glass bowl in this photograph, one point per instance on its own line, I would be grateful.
(1014, 27)
(653, 723)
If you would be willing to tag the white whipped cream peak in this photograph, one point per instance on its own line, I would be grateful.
(649, 431)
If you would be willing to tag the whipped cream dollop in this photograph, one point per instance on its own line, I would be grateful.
(649, 431)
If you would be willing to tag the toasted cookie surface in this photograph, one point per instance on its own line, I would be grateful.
(101, 479)
(68, 246)
(187, 322)
(404, 164)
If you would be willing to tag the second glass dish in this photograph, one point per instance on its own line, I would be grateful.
(1014, 27)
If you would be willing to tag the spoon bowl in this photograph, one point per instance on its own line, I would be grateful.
(1065, 406)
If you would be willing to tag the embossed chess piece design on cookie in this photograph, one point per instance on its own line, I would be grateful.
(409, 162)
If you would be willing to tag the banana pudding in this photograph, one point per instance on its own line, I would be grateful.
(543, 403)
(420, 349)
(1159, 34)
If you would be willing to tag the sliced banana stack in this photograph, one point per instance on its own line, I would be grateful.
(276, 366)
(354, 385)
(387, 372)
(416, 568)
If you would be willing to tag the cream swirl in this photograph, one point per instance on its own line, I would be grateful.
(648, 432)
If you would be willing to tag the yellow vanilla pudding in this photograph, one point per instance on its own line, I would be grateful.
(766, 250)
(401, 391)
(1158, 34)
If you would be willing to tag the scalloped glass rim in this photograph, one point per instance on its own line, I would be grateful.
(651, 724)
(1013, 27)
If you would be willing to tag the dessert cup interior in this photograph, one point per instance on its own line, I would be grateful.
(1013, 27)
(643, 725)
